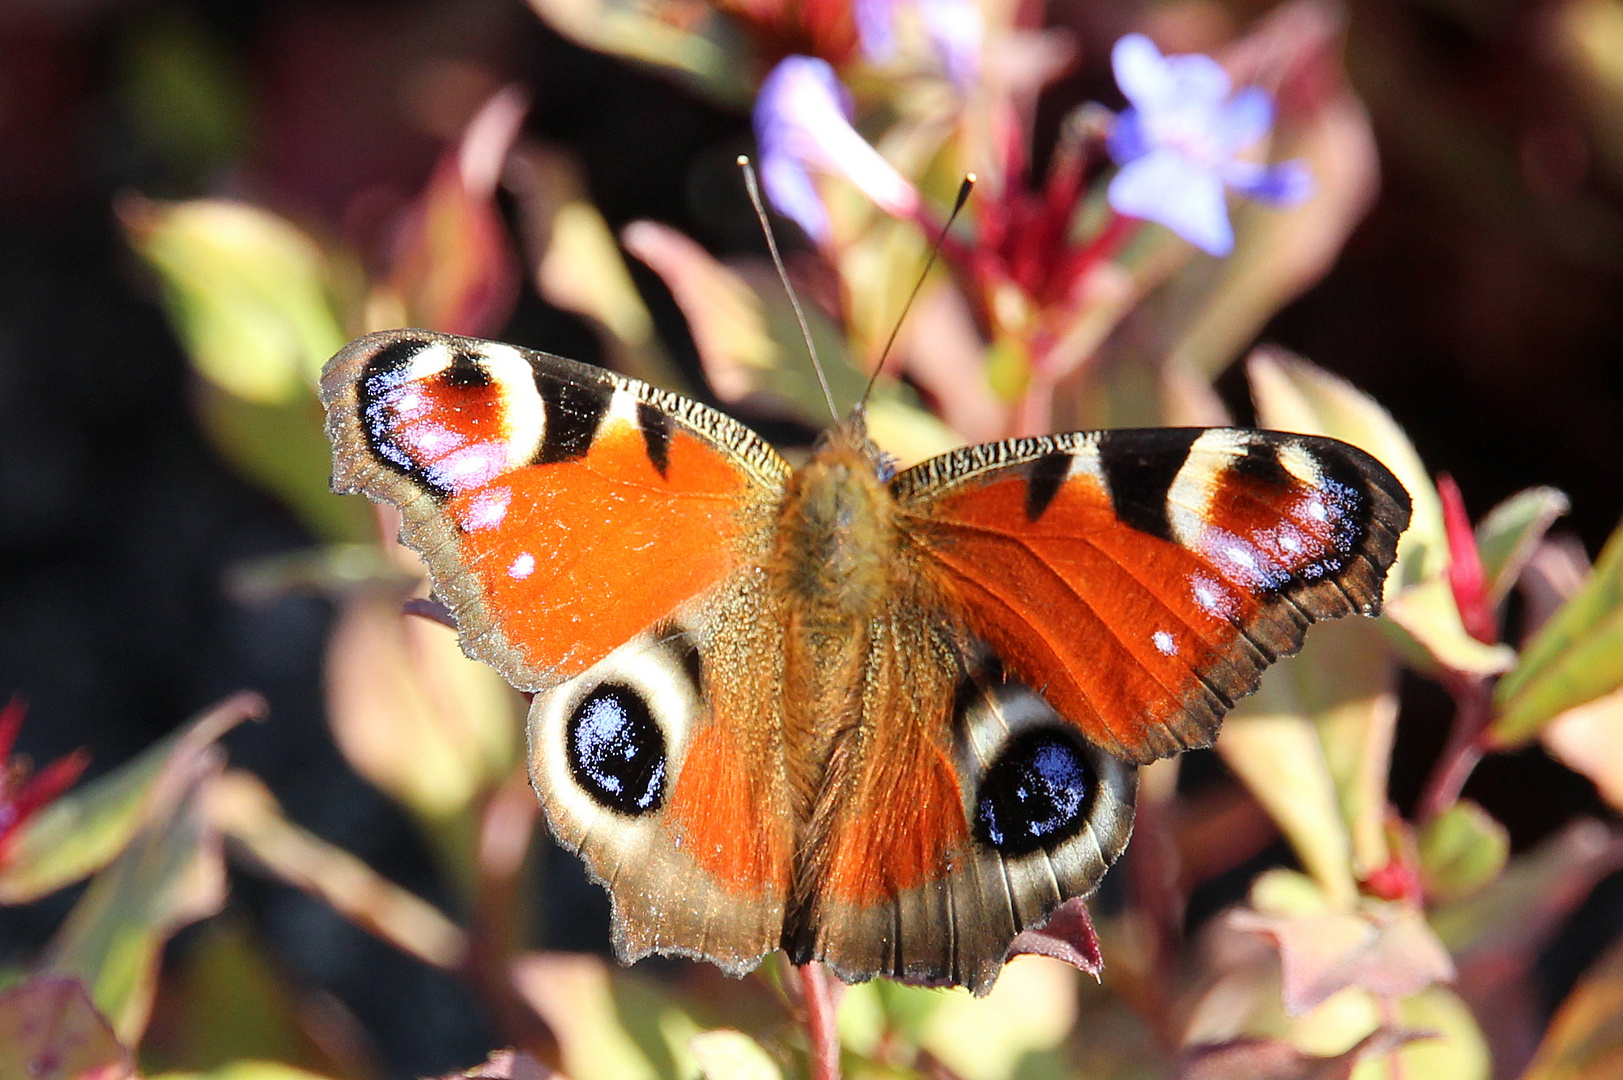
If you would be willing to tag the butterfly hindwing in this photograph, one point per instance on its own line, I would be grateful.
(561, 509)
(662, 767)
(1142, 580)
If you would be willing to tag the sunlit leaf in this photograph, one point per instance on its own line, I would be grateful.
(412, 713)
(609, 1027)
(242, 806)
(744, 327)
(1031, 1007)
(1293, 395)
(1462, 849)
(1423, 620)
(1454, 1050)
(50, 1030)
(732, 1055)
(1507, 536)
(1312, 746)
(908, 433)
(1589, 740)
(724, 315)
(170, 875)
(84, 830)
(1585, 1039)
(1576, 658)
(577, 266)
(247, 292)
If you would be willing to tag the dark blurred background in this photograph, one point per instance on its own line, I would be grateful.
(1480, 301)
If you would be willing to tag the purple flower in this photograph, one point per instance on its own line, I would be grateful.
(1176, 145)
(802, 123)
(955, 29)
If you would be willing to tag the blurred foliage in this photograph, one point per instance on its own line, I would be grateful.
(1391, 951)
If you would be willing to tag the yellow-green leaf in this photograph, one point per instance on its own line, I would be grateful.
(172, 874)
(725, 1054)
(1507, 536)
(247, 292)
(1576, 657)
(1461, 850)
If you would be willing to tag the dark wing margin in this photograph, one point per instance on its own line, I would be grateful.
(1143, 579)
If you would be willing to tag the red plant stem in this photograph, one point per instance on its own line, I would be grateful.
(1473, 709)
(821, 1032)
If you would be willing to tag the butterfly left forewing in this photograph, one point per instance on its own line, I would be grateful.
(561, 509)
(1144, 579)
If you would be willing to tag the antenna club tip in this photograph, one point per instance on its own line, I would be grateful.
(743, 159)
(971, 178)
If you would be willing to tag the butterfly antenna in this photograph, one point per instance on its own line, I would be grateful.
(783, 275)
(935, 250)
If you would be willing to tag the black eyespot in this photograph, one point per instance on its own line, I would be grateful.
(1036, 794)
(616, 750)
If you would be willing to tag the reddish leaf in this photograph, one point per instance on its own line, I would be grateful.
(49, 1030)
(1067, 936)
(1270, 1059)
(1392, 953)
(1465, 575)
(454, 269)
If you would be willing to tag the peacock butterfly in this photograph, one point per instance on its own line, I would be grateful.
(882, 720)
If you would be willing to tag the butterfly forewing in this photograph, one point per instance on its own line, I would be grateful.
(1143, 579)
(561, 509)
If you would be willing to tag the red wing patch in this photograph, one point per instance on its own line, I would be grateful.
(1142, 580)
(561, 509)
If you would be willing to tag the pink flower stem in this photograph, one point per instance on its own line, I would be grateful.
(1473, 710)
(824, 1038)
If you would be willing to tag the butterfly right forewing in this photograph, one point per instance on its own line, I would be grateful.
(1144, 579)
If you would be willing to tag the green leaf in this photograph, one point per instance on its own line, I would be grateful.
(225, 999)
(1461, 850)
(87, 828)
(247, 292)
(1423, 622)
(1507, 536)
(1030, 1009)
(1575, 658)
(732, 1055)
(1313, 746)
(243, 1070)
(172, 874)
(1456, 1051)
(50, 1030)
